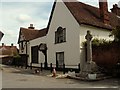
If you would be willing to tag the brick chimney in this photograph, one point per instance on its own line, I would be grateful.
(103, 8)
(31, 27)
(3, 44)
(11, 44)
(115, 10)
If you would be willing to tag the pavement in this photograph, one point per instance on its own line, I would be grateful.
(21, 78)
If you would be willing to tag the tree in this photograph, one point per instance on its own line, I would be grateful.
(116, 34)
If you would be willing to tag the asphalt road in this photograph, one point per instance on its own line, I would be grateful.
(20, 79)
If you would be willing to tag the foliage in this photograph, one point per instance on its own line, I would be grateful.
(102, 42)
(97, 42)
(116, 34)
(17, 56)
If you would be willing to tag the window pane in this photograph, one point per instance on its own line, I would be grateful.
(64, 34)
(60, 35)
(60, 59)
(34, 52)
(55, 37)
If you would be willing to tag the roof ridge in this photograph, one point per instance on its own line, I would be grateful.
(29, 29)
(79, 2)
(30, 34)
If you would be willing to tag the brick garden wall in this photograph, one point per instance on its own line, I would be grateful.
(107, 56)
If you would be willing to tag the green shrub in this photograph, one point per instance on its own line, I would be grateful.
(116, 34)
(97, 42)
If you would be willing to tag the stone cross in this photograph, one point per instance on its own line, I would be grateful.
(89, 37)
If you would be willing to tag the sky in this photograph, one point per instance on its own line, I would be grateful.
(15, 14)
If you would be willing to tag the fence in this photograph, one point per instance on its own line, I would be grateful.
(60, 68)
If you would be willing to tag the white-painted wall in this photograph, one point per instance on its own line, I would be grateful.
(62, 17)
(96, 33)
(36, 42)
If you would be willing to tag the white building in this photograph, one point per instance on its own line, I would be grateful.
(61, 42)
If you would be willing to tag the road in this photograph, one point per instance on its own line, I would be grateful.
(21, 78)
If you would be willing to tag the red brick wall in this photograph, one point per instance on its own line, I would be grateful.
(107, 55)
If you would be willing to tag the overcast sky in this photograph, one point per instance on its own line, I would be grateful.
(14, 14)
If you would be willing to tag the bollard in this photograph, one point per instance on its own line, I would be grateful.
(41, 67)
(79, 67)
(25, 66)
(31, 65)
(51, 67)
(63, 68)
(56, 64)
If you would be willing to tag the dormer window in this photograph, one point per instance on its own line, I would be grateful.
(60, 35)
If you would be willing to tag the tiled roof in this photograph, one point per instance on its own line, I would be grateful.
(86, 14)
(116, 9)
(8, 50)
(30, 34)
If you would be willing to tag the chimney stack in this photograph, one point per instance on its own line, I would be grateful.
(11, 44)
(2, 44)
(31, 27)
(115, 10)
(103, 8)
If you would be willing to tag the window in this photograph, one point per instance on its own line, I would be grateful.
(60, 35)
(34, 54)
(60, 59)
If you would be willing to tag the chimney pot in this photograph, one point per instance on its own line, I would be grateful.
(2, 44)
(11, 44)
(31, 26)
(116, 5)
(115, 9)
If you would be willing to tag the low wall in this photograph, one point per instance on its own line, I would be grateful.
(107, 56)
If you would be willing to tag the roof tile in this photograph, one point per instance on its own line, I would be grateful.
(8, 50)
(86, 14)
(30, 34)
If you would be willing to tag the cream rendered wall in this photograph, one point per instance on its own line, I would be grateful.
(96, 33)
(62, 17)
(41, 57)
